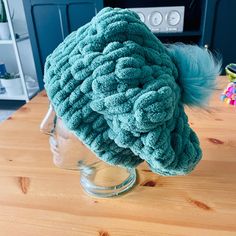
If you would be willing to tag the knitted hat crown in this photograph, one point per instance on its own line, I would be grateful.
(121, 92)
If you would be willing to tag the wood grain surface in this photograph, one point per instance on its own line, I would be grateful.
(38, 199)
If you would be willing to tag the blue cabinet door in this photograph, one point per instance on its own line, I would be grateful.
(219, 30)
(224, 34)
(50, 21)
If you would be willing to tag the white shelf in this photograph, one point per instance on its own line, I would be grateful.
(22, 37)
(14, 43)
(6, 41)
(5, 96)
(9, 41)
(8, 97)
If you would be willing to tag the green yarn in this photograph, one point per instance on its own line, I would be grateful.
(115, 87)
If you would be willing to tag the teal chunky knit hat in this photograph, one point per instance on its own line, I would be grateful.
(121, 92)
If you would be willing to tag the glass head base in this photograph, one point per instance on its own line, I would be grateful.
(107, 181)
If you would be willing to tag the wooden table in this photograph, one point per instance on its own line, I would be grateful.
(37, 198)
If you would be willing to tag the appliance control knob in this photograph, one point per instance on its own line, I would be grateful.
(141, 16)
(173, 18)
(155, 18)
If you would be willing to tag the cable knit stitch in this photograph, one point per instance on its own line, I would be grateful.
(114, 86)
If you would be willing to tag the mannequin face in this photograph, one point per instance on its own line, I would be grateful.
(96, 177)
(68, 151)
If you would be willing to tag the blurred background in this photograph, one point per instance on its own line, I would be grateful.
(31, 29)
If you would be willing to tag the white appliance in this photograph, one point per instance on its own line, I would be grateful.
(162, 19)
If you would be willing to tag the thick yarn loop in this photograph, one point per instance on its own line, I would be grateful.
(113, 84)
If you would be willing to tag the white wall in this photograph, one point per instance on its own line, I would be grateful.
(6, 51)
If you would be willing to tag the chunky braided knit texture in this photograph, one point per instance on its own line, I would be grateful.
(114, 86)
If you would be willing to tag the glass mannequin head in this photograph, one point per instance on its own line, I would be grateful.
(96, 177)
(68, 151)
